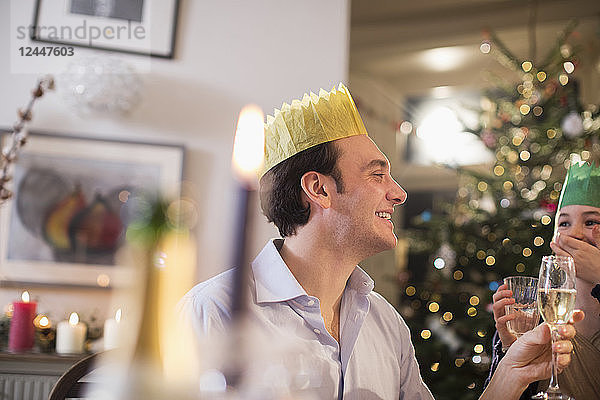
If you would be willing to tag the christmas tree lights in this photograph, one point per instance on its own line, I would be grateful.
(500, 223)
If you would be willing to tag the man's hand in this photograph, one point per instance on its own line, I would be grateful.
(586, 255)
(502, 298)
(529, 359)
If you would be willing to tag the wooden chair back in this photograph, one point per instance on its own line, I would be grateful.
(68, 385)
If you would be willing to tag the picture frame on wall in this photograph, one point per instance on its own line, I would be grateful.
(73, 199)
(144, 27)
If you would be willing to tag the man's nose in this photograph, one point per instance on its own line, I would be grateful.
(396, 194)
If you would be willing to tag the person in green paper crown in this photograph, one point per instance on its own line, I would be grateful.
(577, 234)
(329, 190)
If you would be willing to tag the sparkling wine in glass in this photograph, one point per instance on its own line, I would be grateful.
(556, 301)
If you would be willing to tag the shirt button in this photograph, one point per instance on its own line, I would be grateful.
(318, 332)
(311, 303)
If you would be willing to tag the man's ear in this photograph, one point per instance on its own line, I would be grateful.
(315, 187)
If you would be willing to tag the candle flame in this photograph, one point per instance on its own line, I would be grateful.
(74, 319)
(41, 321)
(118, 315)
(25, 296)
(44, 322)
(249, 144)
(9, 309)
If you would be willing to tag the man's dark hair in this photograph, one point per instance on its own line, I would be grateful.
(280, 190)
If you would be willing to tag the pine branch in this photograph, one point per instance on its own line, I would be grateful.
(554, 54)
(507, 56)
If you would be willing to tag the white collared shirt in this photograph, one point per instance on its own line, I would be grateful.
(375, 357)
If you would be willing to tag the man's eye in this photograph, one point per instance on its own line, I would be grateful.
(592, 222)
(563, 224)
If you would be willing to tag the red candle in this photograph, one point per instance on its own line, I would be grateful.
(21, 335)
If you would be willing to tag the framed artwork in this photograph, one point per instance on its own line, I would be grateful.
(146, 27)
(73, 199)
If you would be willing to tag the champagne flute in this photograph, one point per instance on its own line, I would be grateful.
(556, 301)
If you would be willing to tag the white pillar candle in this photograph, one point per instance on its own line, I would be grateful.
(70, 335)
(111, 331)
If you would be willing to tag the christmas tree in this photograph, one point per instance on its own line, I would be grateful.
(501, 222)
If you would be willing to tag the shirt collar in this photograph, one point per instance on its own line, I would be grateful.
(360, 281)
(276, 283)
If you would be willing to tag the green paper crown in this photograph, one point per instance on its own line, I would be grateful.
(582, 186)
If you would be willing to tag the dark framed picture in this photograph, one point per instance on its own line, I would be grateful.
(145, 27)
(73, 199)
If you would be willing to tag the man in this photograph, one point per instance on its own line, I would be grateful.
(328, 189)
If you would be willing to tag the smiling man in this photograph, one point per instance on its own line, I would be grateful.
(328, 189)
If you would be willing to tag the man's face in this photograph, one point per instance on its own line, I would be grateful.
(578, 221)
(361, 214)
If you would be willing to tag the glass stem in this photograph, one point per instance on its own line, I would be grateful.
(553, 386)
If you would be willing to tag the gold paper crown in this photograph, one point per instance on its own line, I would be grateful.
(309, 122)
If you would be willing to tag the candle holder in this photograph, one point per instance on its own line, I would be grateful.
(45, 339)
(45, 334)
(94, 330)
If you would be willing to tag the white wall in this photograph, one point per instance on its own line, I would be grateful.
(228, 53)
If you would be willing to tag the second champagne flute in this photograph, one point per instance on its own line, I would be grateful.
(556, 301)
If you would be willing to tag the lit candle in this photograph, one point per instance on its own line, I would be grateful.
(249, 145)
(44, 334)
(70, 335)
(111, 331)
(21, 335)
(248, 158)
(42, 322)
